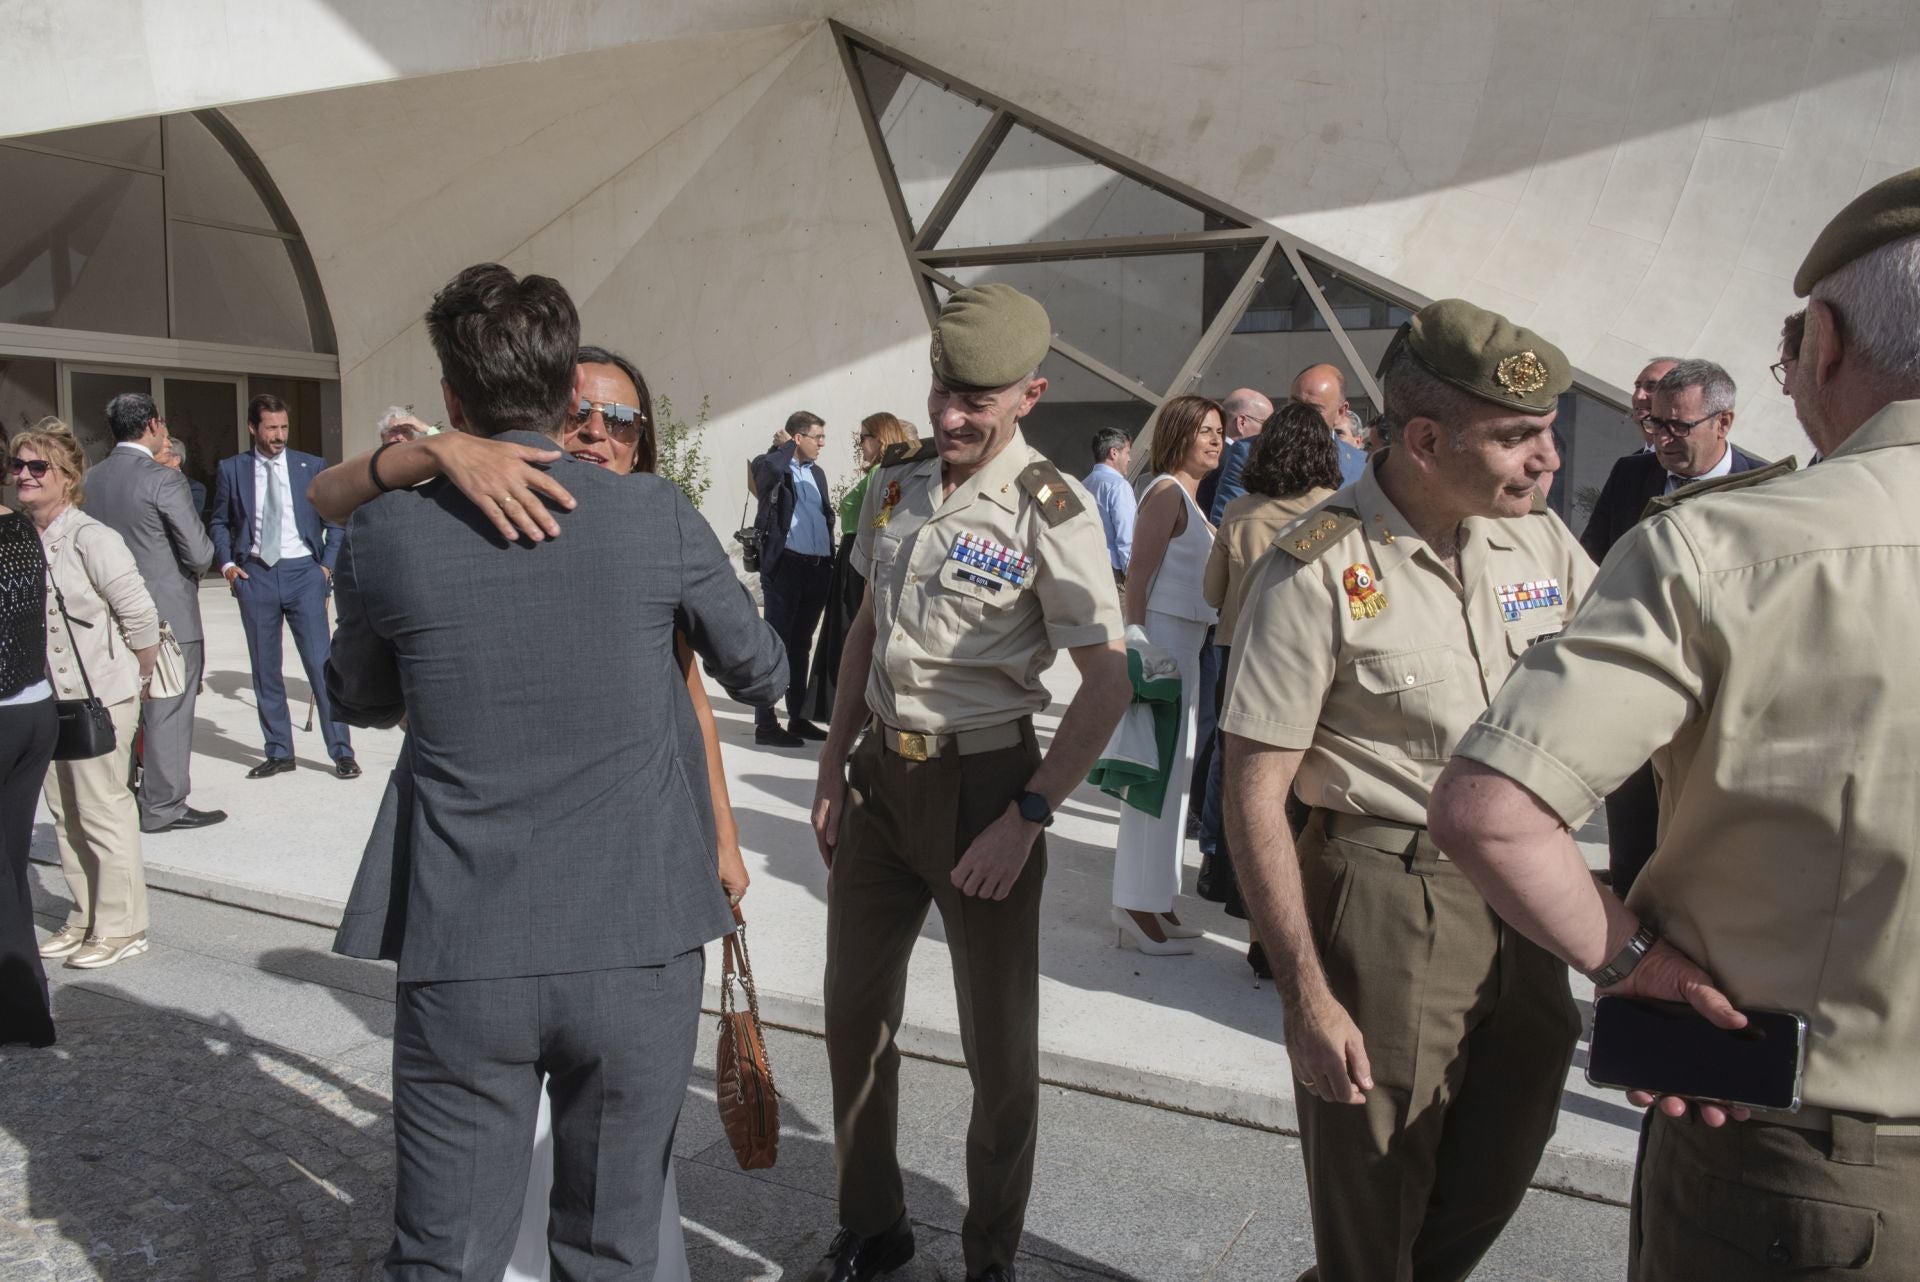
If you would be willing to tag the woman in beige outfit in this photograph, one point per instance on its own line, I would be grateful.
(111, 627)
(1292, 469)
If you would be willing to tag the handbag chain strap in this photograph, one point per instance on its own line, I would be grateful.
(61, 601)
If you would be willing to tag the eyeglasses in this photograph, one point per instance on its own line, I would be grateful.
(622, 422)
(811, 436)
(1779, 369)
(34, 467)
(1678, 427)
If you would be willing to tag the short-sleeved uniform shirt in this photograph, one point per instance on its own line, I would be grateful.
(1374, 658)
(1762, 640)
(973, 595)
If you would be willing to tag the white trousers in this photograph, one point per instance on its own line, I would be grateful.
(530, 1260)
(1146, 863)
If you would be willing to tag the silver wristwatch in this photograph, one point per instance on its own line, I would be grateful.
(1622, 963)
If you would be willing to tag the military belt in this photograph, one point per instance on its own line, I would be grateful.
(917, 745)
(1379, 834)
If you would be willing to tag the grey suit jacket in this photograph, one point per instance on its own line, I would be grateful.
(151, 508)
(556, 816)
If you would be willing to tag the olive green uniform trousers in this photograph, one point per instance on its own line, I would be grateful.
(1760, 1199)
(905, 826)
(1469, 1030)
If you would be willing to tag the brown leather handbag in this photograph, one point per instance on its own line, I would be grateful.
(742, 1078)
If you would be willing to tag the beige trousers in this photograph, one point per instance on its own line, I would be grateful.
(97, 822)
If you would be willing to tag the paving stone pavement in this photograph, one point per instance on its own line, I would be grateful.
(218, 1110)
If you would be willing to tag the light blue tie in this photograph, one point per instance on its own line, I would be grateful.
(270, 518)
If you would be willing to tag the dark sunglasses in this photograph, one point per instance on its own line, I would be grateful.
(34, 467)
(623, 422)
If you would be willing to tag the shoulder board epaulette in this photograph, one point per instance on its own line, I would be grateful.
(1310, 537)
(909, 452)
(1717, 485)
(1050, 490)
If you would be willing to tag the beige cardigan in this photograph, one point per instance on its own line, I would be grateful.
(96, 575)
(1247, 527)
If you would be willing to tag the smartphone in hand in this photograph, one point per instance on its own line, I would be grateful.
(1672, 1049)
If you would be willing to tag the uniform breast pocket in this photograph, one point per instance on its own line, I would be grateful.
(1526, 634)
(1410, 694)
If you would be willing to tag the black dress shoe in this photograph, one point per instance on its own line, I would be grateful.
(270, 767)
(853, 1258)
(994, 1273)
(347, 768)
(1257, 958)
(806, 730)
(1207, 884)
(192, 818)
(775, 737)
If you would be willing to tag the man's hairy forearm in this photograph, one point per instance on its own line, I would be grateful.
(1087, 723)
(1268, 865)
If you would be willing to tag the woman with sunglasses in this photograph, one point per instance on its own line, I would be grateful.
(103, 634)
(611, 427)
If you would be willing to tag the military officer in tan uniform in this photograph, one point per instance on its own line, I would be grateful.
(1760, 635)
(1430, 1043)
(982, 561)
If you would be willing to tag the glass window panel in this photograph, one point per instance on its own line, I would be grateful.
(1076, 404)
(1592, 436)
(81, 246)
(1141, 315)
(204, 180)
(236, 287)
(88, 393)
(928, 131)
(204, 414)
(1278, 336)
(29, 392)
(134, 141)
(1369, 318)
(1035, 189)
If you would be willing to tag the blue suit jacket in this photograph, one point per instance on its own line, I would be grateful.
(232, 521)
(1634, 481)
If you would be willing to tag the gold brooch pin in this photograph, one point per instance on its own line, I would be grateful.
(1522, 373)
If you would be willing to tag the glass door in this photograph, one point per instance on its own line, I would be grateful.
(204, 412)
(89, 388)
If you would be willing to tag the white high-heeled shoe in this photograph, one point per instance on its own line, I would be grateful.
(1174, 930)
(1130, 929)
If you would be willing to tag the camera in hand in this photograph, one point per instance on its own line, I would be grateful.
(1672, 1049)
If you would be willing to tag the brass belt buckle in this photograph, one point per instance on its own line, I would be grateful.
(912, 746)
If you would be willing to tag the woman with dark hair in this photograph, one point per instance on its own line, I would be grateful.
(1164, 607)
(1293, 468)
(845, 589)
(27, 730)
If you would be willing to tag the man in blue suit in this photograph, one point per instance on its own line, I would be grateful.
(277, 555)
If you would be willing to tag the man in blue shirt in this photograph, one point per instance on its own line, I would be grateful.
(1113, 496)
(795, 520)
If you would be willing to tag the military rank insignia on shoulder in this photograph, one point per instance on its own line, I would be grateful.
(1314, 533)
(1050, 490)
(1717, 485)
(909, 452)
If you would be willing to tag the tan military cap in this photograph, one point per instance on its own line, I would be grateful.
(989, 336)
(1883, 213)
(1486, 354)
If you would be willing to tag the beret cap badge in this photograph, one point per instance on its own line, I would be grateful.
(1522, 373)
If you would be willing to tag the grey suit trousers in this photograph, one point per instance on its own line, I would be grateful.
(166, 753)
(616, 1047)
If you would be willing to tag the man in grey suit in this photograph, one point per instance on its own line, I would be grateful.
(560, 873)
(149, 506)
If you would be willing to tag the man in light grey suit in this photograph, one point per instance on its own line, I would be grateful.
(149, 506)
(560, 872)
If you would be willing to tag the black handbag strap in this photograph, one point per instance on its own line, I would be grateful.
(61, 601)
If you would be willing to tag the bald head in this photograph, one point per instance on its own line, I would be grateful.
(1246, 412)
(1325, 388)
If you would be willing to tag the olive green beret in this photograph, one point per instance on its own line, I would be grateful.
(1484, 353)
(1883, 213)
(989, 336)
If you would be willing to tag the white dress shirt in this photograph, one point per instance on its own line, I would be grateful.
(1723, 468)
(274, 471)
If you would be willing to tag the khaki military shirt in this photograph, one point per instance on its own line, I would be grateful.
(960, 641)
(1370, 654)
(1762, 638)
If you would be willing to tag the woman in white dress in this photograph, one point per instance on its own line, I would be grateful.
(1165, 597)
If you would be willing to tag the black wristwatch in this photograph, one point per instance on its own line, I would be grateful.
(1622, 963)
(1034, 809)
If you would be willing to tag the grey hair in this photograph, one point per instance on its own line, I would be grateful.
(179, 448)
(1717, 391)
(1409, 390)
(1106, 441)
(393, 415)
(1877, 297)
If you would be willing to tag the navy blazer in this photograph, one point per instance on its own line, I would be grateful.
(1635, 481)
(773, 486)
(231, 523)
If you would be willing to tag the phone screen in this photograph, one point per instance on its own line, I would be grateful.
(1671, 1048)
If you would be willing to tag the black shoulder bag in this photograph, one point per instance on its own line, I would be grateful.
(749, 537)
(86, 731)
